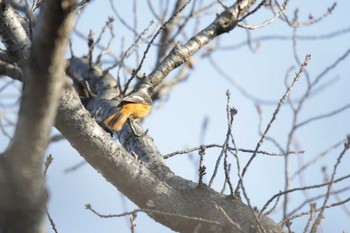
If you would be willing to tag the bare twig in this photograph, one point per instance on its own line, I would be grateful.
(230, 112)
(268, 212)
(132, 222)
(297, 76)
(267, 22)
(271, 139)
(301, 189)
(231, 148)
(320, 117)
(109, 25)
(223, 212)
(48, 162)
(331, 67)
(330, 183)
(75, 167)
(225, 182)
(202, 167)
(127, 54)
(317, 210)
(309, 200)
(311, 216)
(124, 23)
(311, 20)
(152, 40)
(91, 46)
(261, 4)
(52, 222)
(151, 211)
(258, 39)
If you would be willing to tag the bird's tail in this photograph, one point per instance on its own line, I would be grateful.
(116, 121)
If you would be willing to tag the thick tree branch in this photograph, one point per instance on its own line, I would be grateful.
(101, 84)
(23, 194)
(102, 97)
(10, 70)
(161, 189)
(14, 35)
(224, 22)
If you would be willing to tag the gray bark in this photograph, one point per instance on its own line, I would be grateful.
(23, 193)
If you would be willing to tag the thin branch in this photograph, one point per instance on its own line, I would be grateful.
(154, 37)
(223, 212)
(330, 183)
(108, 24)
(127, 53)
(326, 36)
(99, 46)
(121, 19)
(301, 189)
(132, 222)
(52, 222)
(320, 117)
(331, 67)
(235, 83)
(268, 212)
(267, 22)
(151, 211)
(316, 158)
(317, 210)
(261, 4)
(297, 76)
(231, 148)
(48, 162)
(311, 216)
(229, 113)
(309, 200)
(202, 167)
(75, 167)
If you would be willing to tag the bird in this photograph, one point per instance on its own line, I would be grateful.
(134, 106)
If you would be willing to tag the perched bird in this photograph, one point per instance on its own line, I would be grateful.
(133, 106)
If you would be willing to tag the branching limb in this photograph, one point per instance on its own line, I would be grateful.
(223, 23)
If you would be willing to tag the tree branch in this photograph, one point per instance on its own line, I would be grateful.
(161, 189)
(14, 35)
(224, 22)
(23, 196)
(10, 70)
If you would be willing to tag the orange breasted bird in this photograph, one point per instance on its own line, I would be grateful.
(134, 106)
